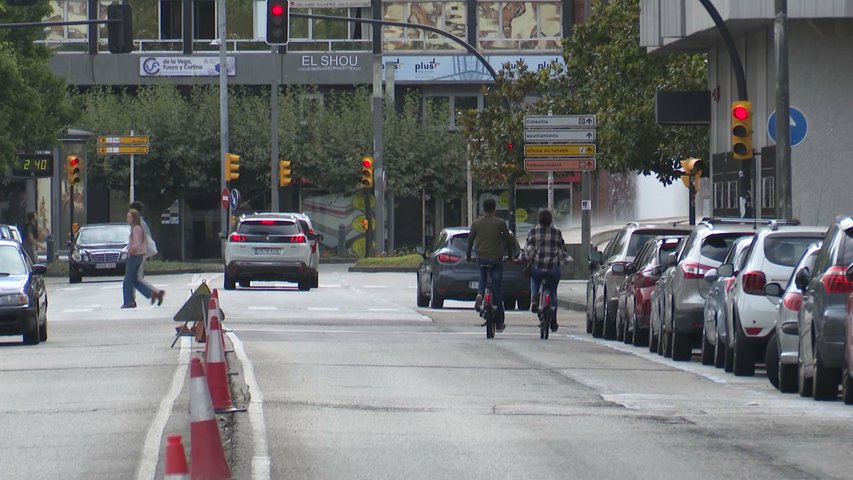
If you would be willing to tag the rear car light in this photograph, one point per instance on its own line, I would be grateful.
(753, 282)
(298, 239)
(730, 283)
(835, 280)
(694, 270)
(448, 258)
(793, 301)
(753, 331)
(236, 237)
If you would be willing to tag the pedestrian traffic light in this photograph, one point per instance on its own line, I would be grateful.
(742, 130)
(120, 33)
(692, 167)
(232, 167)
(278, 22)
(72, 168)
(284, 178)
(367, 172)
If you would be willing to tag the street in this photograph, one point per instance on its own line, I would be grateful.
(350, 380)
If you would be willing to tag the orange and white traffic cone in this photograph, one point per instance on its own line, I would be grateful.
(206, 452)
(217, 371)
(175, 467)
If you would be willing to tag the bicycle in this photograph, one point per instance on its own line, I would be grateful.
(545, 311)
(487, 309)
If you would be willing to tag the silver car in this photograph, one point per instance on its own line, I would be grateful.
(783, 350)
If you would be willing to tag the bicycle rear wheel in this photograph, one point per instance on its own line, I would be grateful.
(489, 314)
(544, 323)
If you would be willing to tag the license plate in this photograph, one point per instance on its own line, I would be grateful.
(101, 266)
(474, 285)
(267, 251)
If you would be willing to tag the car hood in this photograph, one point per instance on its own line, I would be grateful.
(102, 246)
(12, 283)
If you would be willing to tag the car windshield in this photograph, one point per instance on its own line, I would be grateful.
(268, 227)
(11, 261)
(459, 243)
(786, 250)
(715, 247)
(638, 239)
(103, 235)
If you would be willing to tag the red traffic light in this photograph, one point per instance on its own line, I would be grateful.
(740, 112)
(277, 10)
(366, 163)
(74, 161)
(509, 146)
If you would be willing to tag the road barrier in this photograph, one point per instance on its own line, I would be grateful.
(217, 371)
(175, 466)
(206, 452)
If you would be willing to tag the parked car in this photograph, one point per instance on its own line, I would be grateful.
(314, 239)
(11, 232)
(751, 315)
(445, 275)
(847, 374)
(98, 250)
(268, 247)
(714, 332)
(824, 313)
(604, 283)
(632, 319)
(685, 288)
(782, 351)
(23, 296)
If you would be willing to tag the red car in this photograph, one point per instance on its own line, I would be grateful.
(634, 311)
(847, 377)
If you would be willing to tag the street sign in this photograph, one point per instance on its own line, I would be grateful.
(558, 150)
(123, 140)
(799, 126)
(235, 198)
(559, 164)
(585, 135)
(225, 196)
(124, 150)
(557, 121)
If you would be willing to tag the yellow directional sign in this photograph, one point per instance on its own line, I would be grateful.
(124, 150)
(560, 150)
(559, 164)
(123, 140)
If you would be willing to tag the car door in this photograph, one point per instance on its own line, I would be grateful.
(430, 262)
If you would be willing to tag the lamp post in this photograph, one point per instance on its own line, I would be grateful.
(223, 110)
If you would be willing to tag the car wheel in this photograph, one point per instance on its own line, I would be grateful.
(804, 384)
(627, 333)
(524, 304)
(609, 322)
(509, 303)
(422, 300)
(619, 324)
(228, 283)
(43, 330)
(245, 283)
(744, 359)
(707, 348)
(590, 309)
(304, 285)
(315, 280)
(787, 377)
(653, 340)
(682, 348)
(847, 387)
(435, 300)
(638, 337)
(824, 381)
(597, 325)
(31, 334)
(719, 351)
(75, 278)
(771, 360)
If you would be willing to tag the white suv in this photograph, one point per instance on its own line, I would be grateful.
(314, 239)
(270, 247)
(751, 315)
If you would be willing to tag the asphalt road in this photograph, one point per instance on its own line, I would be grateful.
(352, 381)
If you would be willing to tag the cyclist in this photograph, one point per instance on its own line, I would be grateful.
(545, 251)
(492, 242)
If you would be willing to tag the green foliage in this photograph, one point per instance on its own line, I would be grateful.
(615, 79)
(407, 261)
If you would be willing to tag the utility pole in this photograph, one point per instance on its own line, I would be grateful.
(223, 112)
(784, 207)
(274, 146)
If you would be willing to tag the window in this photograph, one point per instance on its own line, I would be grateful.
(519, 25)
(732, 195)
(204, 19)
(171, 15)
(448, 16)
(71, 10)
(719, 195)
(768, 192)
(455, 105)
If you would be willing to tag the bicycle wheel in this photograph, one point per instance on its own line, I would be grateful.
(489, 314)
(544, 323)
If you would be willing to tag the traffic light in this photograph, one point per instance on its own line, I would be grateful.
(72, 169)
(120, 34)
(509, 147)
(367, 172)
(284, 178)
(742, 130)
(232, 167)
(278, 22)
(692, 167)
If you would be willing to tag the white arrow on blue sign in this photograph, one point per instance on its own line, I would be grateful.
(234, 199)
(799, 126)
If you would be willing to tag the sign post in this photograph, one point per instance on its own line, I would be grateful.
(125, 145)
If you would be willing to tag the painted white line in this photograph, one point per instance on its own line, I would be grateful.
(78, 310)
(70, 289)
(112, 287)
(151, 449)
(324, 309)
(260, 456)
(261, 307)
(373, 286)
(323, 285)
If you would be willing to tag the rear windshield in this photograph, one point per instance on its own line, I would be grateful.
(638, 239)
(459, 243)
(268, 227)
(786, 250)
(104, 235)
(715, 247)
(847, 247)
(11, 261)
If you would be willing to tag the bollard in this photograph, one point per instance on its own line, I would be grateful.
(342, 241)
(48, 241)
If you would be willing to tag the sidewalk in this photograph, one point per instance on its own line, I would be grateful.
(572, 295)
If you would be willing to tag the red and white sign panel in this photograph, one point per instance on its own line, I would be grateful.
(583, 164)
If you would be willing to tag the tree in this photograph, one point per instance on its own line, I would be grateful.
(612, 77)
(34, 104)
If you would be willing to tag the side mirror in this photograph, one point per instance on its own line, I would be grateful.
(39, 269)
(320, 236)
(850, 273)
(68, 243)
(773, 290)
(658, 271)
(421, 251)
(670, 260)
(802, 279)
(595, 257)
(711, 275)
(630, 269)
(726, 270)
(619, 268)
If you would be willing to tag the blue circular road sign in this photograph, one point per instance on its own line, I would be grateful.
(799, 126)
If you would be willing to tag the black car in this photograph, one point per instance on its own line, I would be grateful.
(98, 250)
(445, 275)
(23, 297)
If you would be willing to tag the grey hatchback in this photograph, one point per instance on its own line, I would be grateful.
(445, 275)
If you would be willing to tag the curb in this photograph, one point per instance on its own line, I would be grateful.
(380, 269)
(572, 305)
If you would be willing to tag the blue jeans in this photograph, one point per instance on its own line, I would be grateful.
(131, 280)
(497, 284)
(536, 276)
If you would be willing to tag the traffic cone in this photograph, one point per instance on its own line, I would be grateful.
(206, 452)
(176, 460)
(212, 311)
(217, 371)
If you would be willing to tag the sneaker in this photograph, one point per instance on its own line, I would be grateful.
(499, 327)
(534, 304)
(478, 302)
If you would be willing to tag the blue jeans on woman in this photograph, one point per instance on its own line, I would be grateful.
(536, 276)
(131, 280)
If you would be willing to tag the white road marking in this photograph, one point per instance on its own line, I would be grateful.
(324, 309)
(70, 289)
(260, 456)
(373, 286)
(261, 307)
(112, 287)
(151, 449)
(78, 310)
(323, 285)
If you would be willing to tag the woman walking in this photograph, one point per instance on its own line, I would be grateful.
(136, 250)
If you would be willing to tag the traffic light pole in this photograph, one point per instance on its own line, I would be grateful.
(223, 114)
(784, 207)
